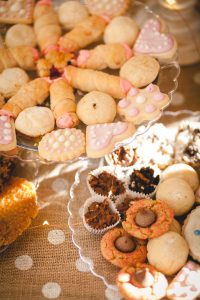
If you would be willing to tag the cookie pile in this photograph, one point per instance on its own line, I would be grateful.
(110, 107)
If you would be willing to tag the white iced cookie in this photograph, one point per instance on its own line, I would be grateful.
(167, 253)
(35, 121)
(178, 194)
(11, 80)
(70, 13)
(184, 172)
(121, 29)
(20, 35)
(96, 108)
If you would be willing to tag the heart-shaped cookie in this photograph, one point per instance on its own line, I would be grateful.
(153, 41)
(12, 11)
(101, 138)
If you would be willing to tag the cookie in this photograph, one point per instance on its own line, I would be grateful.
(141, 282)
(191, 232)
(11, 80)
(185, 284)
(184, 172)
(7, 167)
(62, 144)
(142, 105)
(178, 194)
(197, 195)
(187, 144)
(148, 218)
(20, 35)
(35, 121)
(101, 138)
(108, 8)
(18, 206)
(168, 253)
(153, 40)
(71, 13)
(8, 139)
(122, 250)
(12, 11)
(175, 226)
(140, 70)
(96, 108)
(121, 30)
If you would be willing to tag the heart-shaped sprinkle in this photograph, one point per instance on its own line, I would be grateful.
(133, 112)
(140, 99)
(123, 103)
(150, 108)
(158, 96)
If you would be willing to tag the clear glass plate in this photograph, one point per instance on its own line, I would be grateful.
(88, 245)
(167, 82)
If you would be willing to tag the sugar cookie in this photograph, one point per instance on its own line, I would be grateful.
(35, 121)
(62, 144)
(140, 70)
(142, 105)
(109, 8)
(121, 30)
(154, 41)
(96, 108)
(101, 138)
(20, 35)
(70, 13)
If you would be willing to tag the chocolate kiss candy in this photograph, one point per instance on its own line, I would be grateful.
(125, 244)
(145, 217)
(144, 278)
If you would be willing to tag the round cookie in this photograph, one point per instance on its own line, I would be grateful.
(168, 253)
(140, 70)
(120, 249)
(184, 172)
(121, 30)
(70, 13)
(178, 194)
(96, 108)
(175, 226)
(20, 35)
(107, 8)
(11, 80)
(148, 218)
(191, 232)
(35, 121)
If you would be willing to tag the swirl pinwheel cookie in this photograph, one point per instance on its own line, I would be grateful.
(153, 40)
(142, 105)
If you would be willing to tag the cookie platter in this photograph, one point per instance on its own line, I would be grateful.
(89, 242)
(163, 84)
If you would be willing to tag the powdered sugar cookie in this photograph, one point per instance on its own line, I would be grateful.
(110, 8)
(140, 70)
(154, 41)
(101, 138)
(20, 35)
(142, 105)
(62, 144)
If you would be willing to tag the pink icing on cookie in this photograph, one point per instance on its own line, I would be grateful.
(158, 96)
(82, 57)
(44, 2)
(151, 40)
(4, 112)
(125, 85)
(150, 88)
(133, 112)
(65, 121)
(123, 103)
(150, 108)
(133, 91)
(6, 135)
(128, 50)
(36, 54)
(100, 135)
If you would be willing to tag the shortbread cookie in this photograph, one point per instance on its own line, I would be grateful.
(20, 35)
(191, 232)
(142, 105)
(140, 70)
(71, 13)
(185, 284)
(35, 121)
(153, 40)
(7, 133)
(96, 108)
(109, 8)
(101, 138)
(121, 30)
(168, 253)
(62, 144)
(12, 11)
(11, 80)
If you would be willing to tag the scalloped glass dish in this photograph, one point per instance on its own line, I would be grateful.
(88, 245)
(167, 82)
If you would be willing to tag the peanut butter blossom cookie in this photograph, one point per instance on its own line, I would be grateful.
(148, 219)
(121, 249)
